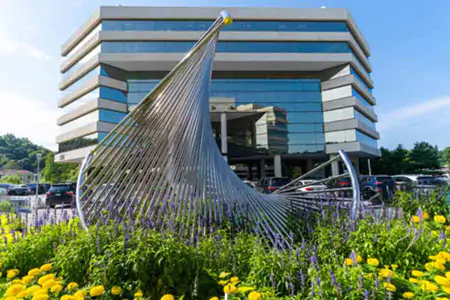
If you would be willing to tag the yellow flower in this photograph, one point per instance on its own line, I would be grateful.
(33, 272)
(368, 275)
(46, 267)
(68, 297)
(245, 289)
(97, 291)
(41, 297)
(444, 255)
(426, 216)
(394, 267)
(442, 298)
(373, 262)
(14, 289)
(408, 295)
(432, 257)
(22, 295)
(80, 294)
(168, 297)
(116, 290)
(390, 287)
(428, 286)
(229, 289)
(440, 266)
(385, 273)
(12, 273)
(254, 296)
(40, 291)
(56, 288)
(224, 274)
(223, 282)
(72, 286)
(434, 265)
(234, 280)
(33, 289)
(348, 261)
(27, 279)
(17, 281)
(413, 280)
(440, 219)
(45, 278)
(49, 284)
(138, 294)
(442, 280)
(446, 289)
(415, 219)
(214, 298)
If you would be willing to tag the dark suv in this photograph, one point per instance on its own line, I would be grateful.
(60, 194)
(271, 184)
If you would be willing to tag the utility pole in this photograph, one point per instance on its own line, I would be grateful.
(38, 156)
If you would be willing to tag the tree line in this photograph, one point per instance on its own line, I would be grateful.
(423, 158)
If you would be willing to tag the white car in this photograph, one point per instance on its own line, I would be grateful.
(249, 183)
(312, 186)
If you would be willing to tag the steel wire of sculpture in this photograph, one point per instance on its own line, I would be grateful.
(161, 164)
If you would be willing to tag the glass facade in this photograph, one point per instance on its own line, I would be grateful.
(82, 61)
(238, 25)
(351, 135)
(365, 139)
(103, 115)
(74, 87)
(365, 120)
(227, 47)
(354, 73)
(81, 142)
(361, 98)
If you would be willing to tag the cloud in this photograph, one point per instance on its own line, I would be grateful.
(15, 47)
(401, 115)
(27, 117)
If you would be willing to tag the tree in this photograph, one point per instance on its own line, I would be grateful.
(445, 157)
(14, 179)
(58, 172)
(11, 165)
(424, 157)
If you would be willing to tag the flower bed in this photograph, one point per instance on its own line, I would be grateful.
(331, 258)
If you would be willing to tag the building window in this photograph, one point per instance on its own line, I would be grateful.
(237, 25)
(227, 47)
(365, 139)
(89, 140)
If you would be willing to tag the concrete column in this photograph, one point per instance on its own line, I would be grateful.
(355, 162)
(250, 171)
(277, 166)
(309, 165)
(262, 168)
(334, 167)
(224, 135)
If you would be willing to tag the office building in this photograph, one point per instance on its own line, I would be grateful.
(290, 87)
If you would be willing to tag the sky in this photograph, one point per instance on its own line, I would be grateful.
(408, 40)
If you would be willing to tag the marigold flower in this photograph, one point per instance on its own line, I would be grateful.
(408, 295)
(229, 289)
(33, 272)
(446, 289)
(223, 282)
(444, 255)
(22, 295)
(390, 287)
(33, 289)
(394, 266)
(116, 290)
(41, 297)
(168, 297)
(426, 216)
(369, 275)
(45, 278)
(245, 289)
(413, 280)
(56, 288)
(385, 273)
(234, 280)
(214, 298)
(428, 286)
(432, 257)
(415, 219)
(358, 258)
(138, 294)
(14, 289)
(254, 296)
(348, 261)
(442, 298)
(68, 297)
(80, 294)
(40, 291)
(27, 279)
(440, 219)
(442, 280)
(373, 262)
(72, 286)
(12, 273)
(46, 267)
(17, 281)
(97, 291)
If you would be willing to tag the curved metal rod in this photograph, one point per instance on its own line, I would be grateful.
(355, 183)
(78, 188)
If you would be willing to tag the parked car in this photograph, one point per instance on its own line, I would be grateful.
(408, 182)
(249, 183)
(312, 186)
(42, 189)
(271, 184)
(3, 191)
(377, 184)
(60, 194)
(19, 190)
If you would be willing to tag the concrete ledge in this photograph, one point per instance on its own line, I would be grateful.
(74, 156)
(351, 124)
(77, 56)
(354, 148)
(89, 86)
(85, 130)
(91, 106)
(350, 102)
(80, 72)
(349, 80)
(87, 27)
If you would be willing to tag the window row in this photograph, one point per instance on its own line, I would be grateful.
(227, 47)
(345, 114)
(351, 135)
(361, 98)
(237, 25)
(354, 73)
(89, 140)
(103, 115)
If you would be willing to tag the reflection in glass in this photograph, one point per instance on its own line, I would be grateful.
(82, 142)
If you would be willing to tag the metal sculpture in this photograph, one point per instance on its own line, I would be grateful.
(161, 164)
